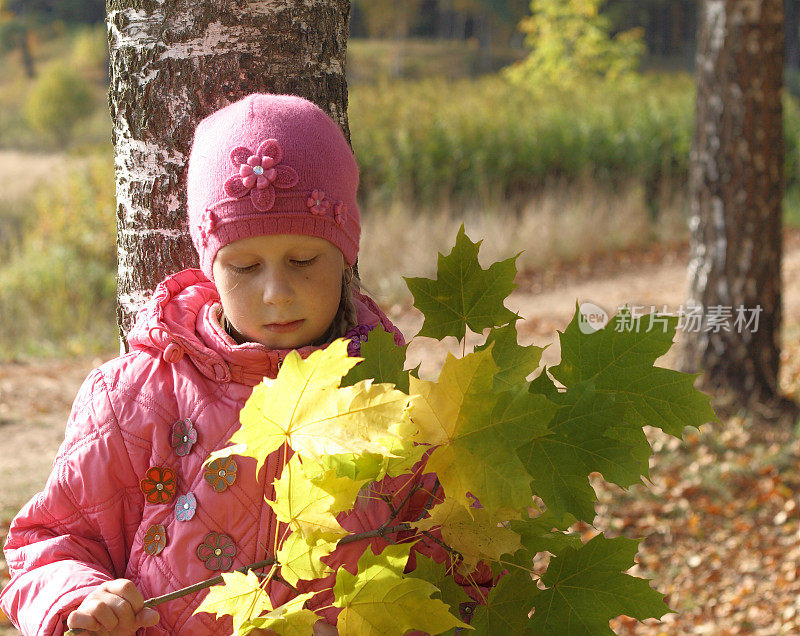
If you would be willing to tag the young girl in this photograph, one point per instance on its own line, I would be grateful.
(130, 511)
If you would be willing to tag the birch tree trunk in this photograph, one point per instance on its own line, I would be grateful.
(172, 63)
(736, 191)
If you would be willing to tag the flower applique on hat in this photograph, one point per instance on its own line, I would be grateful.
(259, 173)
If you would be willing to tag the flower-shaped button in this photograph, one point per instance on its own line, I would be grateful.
(357, 335)
(155, 539)
(159, 485)
(217, 551)
(317, 203)
(184, 436)
(259, 173)
(221, 473)
(185, 506)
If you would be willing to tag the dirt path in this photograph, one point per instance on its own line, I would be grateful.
(35, 397)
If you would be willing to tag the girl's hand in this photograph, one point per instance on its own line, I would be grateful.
(320, 629)
(115, 608)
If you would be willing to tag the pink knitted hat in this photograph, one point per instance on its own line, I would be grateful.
(271, 164)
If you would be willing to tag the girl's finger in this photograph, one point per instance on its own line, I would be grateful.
(125, 589)
(323, 629)
(148, 617)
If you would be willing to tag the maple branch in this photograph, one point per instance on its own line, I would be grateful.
(379, 532)
(428, 505)
(191, 589)
(396, 511)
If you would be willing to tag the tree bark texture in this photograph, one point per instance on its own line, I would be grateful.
(172, 63)
(792, 30)
(736, 191)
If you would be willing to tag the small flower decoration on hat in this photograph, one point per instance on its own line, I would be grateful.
(155, 539)
(317, 203)
(159, 485)
(184, 436)
(207, 226)
(217, 551)
(221, 473)
(259, 173)
(340, 213)
(185, 507)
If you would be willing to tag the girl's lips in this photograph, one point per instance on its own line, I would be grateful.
(283, 327)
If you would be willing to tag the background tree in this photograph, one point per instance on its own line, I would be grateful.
(174, 62)
(736, 190)
(571, 42)
(387, 18)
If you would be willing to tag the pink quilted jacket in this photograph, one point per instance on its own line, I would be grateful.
(94, 521)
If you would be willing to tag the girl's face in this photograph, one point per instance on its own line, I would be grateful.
(281, 290)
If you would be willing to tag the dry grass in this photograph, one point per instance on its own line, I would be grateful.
(560, 223)
(21, 171)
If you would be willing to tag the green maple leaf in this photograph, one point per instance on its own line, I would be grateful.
(619, 360)
(507, 607)
(383, 361)
(545, 532)
(514, 362)
(637, 457)
(477, 432)
(381, 601)
(587, 587)
(438, 574)
(575, 446)
(464, 294)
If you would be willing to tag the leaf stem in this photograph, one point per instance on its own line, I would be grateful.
(518, 566)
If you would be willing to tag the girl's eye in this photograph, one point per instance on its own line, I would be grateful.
(303, 262)
(243, 270)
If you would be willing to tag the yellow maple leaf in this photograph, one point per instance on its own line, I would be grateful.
(381, 601)
(241, 596)
(290, 619)
(343, 490)
(306, 408)
(472, 533)
(300, 557)
(459, 402)
(304, 505)
(464, 384)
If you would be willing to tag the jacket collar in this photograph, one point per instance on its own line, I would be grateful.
(182, 318)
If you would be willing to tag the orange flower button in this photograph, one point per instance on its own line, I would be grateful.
(159, 485)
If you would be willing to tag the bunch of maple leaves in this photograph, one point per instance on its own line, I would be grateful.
(523, 450)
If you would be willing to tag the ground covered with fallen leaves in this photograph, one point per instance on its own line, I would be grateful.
(720, 519)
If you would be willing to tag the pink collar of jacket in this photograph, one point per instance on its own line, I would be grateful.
(182, 318)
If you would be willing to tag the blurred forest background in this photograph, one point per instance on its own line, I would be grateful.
(552, 118)
(558, 127)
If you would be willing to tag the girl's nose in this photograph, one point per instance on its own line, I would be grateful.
(277, 289)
